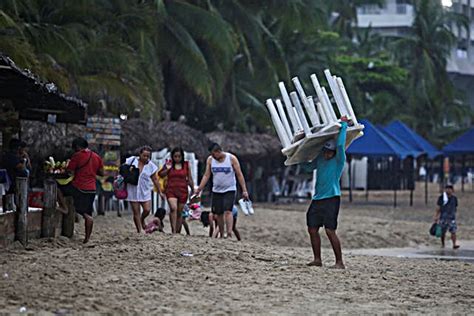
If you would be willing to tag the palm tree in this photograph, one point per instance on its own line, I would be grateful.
(424, 53)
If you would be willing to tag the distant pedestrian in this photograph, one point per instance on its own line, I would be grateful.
(84, 166)
(14, 161)
(179, 179)
(16, 165)
(445, 215)
(224, 168)
(140, 195)
(324, 208)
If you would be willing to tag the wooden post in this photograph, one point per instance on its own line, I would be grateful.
(100, 204)
(428, 172)
(21, 229)
(349, 160)
(49, 221)
(69, 219)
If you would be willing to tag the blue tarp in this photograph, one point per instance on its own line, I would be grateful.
(376, 143)
(415, 152)
(463, 145)
(411, 138)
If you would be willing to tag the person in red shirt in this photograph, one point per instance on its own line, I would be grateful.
(179, 178)
(84, 165)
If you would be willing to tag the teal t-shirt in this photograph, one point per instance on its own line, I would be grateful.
(330, 171)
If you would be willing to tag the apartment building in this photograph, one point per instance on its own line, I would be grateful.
(396, 17)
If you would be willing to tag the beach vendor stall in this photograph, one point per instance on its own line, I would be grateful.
(24, 98)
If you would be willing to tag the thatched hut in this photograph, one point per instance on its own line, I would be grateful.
(166, 134)
(247, 146)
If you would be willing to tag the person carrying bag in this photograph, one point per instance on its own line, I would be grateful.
(130, 173)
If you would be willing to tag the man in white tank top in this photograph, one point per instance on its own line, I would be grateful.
(224, 168)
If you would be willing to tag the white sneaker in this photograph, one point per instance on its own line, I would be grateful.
(250, 206)
(246, 207)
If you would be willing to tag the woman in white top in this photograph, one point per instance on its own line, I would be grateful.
(140, 194)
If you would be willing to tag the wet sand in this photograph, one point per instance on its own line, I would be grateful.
(121, 272)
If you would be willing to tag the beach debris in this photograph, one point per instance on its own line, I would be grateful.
(22, 309)
(62, 311)
(186, 254)
(5, 275)
(266, 259)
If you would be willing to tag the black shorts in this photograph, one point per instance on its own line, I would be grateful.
(222, 202)
(323, 213)
(83, 200)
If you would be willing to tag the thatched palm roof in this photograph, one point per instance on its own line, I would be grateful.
(35, 99)
(247, 146)
(158, 135)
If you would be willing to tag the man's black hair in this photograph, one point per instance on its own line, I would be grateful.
(160, 213)
(449, 186)
(79, 143)
(214, 147)
(205, 218)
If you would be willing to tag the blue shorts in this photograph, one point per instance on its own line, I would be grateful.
(448, 225)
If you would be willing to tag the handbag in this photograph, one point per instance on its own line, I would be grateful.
(130, 173)
(120, 188)
(433, 229)
(436, 230)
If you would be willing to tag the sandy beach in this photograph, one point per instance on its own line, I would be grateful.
(121, 272)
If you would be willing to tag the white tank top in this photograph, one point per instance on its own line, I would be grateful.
(223, 175)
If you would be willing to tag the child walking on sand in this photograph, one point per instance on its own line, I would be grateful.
(208, 219)
(157, 223)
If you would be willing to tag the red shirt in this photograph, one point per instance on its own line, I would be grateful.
(85, 164)
(178, 178)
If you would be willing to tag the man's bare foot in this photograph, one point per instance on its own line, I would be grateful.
(456, 246)
(338, 266)
(85, 241)
(315, 263)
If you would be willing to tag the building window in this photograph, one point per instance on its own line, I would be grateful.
(402, 9)
(369, 9)
(461, 53)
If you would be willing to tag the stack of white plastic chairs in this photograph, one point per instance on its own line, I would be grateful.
(305, 123)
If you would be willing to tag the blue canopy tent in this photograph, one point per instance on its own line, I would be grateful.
(409, 148)
(378, 144)
(413, 139)
(399, 130)
(462, 146)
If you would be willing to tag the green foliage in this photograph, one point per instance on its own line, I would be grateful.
(424, 53)
(217, 61)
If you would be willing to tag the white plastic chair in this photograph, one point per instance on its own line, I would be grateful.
(305, 123)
